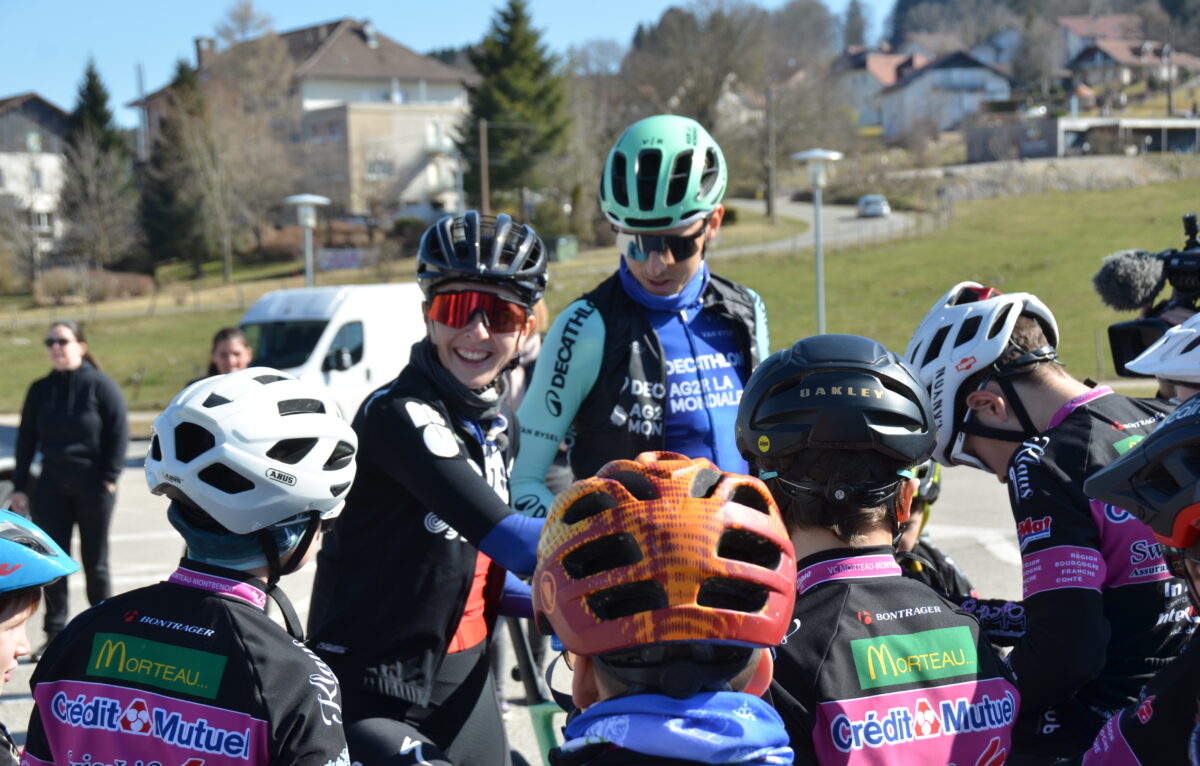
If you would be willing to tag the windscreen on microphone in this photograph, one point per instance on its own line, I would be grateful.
(1128, 280)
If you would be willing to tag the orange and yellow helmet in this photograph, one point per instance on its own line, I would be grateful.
(664, 549)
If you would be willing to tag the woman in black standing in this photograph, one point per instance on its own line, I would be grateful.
(76, 417)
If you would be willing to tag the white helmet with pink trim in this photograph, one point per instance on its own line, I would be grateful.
(966, 331)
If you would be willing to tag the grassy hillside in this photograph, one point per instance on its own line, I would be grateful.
(1047, 244)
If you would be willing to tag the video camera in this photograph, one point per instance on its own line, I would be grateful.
(1131, 280)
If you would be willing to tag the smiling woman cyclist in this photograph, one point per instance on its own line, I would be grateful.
(656, 356)
(410, 580)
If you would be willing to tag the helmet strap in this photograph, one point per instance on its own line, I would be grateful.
(1028, 429)
(276, 570)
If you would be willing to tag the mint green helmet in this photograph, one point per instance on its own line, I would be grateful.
(664, 172)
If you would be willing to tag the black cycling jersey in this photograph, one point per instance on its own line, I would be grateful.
(931, 565)
(1101, 612)
(9, 755)
(188, 671)
(1161, 727)
(880, 669)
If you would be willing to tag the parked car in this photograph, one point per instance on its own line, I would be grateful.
(873, 206)
(8, 462)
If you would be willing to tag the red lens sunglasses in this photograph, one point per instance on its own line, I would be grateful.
(458, 309)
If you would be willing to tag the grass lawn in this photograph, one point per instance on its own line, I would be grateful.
(1049, 244)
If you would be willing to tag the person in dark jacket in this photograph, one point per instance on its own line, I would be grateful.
(411, 579)
(656, 356)
(667, 581)
(191, 670)
(76, 417)
(877, 668)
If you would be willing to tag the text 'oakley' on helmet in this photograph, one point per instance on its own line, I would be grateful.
(476, 248)
(664, 172)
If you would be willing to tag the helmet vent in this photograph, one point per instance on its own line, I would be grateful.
(712, 171)
(623, 600)
(742, 545)
(637, 484)
(215, 400)
(341, 456)
(301, 406)
(935, 345)
(749, 496)
(968, 330)
(14, 533)
(648, 164)
(588, 506)
(337, 489)
(224, 478)
(998, 323)
(602, 555)
(620, 180)
(681, 170)
(268, 379)
(155, 448)
(727, 593)
(291, 451)
(705, 482)
(1191, 346)
(191, 441)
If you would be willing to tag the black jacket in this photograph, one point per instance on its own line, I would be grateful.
(186, 671)
(394, 573)
(632, 351)
(606, 754)
(77, 419)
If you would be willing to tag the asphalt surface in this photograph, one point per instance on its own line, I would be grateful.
(971, 522)
(840, 226)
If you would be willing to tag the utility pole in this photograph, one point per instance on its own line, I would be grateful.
(485, 204)
(771, 155)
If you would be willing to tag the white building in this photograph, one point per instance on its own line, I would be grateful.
(32, 145)
(942, 94)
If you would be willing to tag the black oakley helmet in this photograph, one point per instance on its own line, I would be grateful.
(475, 248)
(1159, 479)
(842, 392)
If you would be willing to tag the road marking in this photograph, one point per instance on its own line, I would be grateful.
(1001, 543)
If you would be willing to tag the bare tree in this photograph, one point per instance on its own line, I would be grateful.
(1037, 57)
(973, 21)
(104, 224)
(18, 239)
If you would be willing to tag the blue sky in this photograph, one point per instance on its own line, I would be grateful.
(47, 43)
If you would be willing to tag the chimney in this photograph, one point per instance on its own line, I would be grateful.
(206, 48)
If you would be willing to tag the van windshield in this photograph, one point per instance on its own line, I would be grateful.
(283, 345)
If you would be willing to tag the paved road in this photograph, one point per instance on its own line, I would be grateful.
(971, 521)
(840, 226)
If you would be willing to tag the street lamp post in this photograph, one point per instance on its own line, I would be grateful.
(817, 178)
(306, 214)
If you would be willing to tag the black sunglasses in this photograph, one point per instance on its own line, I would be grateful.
(637, 247)
(51, 342)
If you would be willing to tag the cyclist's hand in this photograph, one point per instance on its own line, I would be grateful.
(18, 502)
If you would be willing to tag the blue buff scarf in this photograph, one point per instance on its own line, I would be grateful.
(688, 296)
(713, 727)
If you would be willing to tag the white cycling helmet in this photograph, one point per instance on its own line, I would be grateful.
(1174, 356)
(966, 331)
(253, 448)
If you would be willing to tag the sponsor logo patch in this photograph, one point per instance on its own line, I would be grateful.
(914, 657)
(966, 363)
(281, 477)
(1128, 443)
(764, 443)
(901, 724)
(1033, 529)
(174, 668)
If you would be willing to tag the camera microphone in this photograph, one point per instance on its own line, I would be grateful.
(1129, 280)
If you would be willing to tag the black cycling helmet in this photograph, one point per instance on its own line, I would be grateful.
(475, 248)
(842, 392)
(1159, 479)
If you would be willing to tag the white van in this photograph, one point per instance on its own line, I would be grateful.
(350, 338)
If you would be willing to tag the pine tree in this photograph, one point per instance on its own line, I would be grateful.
(170, 209)
(93, 114)
(520, 94)
(854, 27)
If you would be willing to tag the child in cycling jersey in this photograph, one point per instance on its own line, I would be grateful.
(1102, 612)
(877, 668)
(916, 552)
(1157, 481)
(30, 560)
(666, 579)
(191, 670)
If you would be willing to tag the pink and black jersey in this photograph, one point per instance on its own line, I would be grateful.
(880, 669)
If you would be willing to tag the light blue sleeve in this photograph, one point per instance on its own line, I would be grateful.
(762, 336)
(566, 369)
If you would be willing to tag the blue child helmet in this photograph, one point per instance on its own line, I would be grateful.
(28, 557)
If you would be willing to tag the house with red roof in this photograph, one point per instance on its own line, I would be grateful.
(860, 75)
